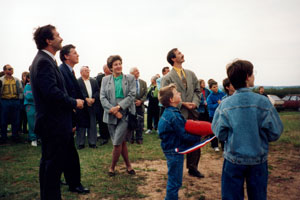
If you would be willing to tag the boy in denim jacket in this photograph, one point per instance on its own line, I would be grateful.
(247, 122)
(173, 135)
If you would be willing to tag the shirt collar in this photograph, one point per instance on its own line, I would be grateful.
(243, 90)
(119, 77)
(70, 68)
(178, 70)
(50, 54)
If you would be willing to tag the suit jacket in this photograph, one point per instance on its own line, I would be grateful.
(80, 117)
(108, 99)
(53, 104)
(95, 90)
(191, 94)
(142, 93)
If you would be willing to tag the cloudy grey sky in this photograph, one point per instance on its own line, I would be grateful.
(209, 33)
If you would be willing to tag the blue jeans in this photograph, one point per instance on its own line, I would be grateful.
(10, 114)
(233, 177)
(175, 171)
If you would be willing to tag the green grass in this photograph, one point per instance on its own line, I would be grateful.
(19, 167)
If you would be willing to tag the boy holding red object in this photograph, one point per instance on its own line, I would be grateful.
(171, 129)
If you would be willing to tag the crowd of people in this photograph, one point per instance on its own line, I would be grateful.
(56, 106)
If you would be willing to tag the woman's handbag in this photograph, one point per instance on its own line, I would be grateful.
(132, 122)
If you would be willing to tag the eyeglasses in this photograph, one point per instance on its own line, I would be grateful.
(9, 69)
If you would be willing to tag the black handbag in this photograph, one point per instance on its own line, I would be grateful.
(132, 122)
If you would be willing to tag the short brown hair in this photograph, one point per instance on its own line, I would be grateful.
(238, 71)
(171, 54)
(112, 59)
(212, 83)
(165, 94)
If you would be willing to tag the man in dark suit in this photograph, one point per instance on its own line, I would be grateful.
(140, 98)
(53, 111)
(103, 129)
(187, 84)
(90, 90)
(69, 57)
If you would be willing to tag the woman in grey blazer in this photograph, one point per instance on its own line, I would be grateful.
(117, 97)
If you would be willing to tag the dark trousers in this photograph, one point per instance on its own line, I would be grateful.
(161, 110)
(193, 158)
(58, 155)
(10, 113)
(103, 129)
(23, 119)
(234, 176)
(152, 117)
(139, 130)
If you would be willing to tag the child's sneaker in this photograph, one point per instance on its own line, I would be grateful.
(34, 143)
(148, 131)
(216, 149)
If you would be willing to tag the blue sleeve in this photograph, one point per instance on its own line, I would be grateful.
(272, 125)
(182, 134)
(211, 104)
(220, 125)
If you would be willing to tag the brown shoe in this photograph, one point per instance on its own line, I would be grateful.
(139, 142)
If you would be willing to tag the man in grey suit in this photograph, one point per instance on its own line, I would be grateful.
(187, 84)
(140, 98)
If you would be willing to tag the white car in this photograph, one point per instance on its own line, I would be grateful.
(276, 101)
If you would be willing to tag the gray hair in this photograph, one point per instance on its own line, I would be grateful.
(83, 68)
(132, 69)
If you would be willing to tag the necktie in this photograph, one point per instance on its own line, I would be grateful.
(137, 87)
(73, 73)
(183, 79)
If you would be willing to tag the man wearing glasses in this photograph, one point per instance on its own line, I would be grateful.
(11, 92)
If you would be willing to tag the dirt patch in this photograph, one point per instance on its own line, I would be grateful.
(283, 183)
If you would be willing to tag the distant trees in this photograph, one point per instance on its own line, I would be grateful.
(280, 91)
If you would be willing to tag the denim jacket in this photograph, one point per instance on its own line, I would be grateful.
(171, 130)
(247, 122)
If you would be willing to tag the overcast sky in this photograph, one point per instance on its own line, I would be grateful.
(209, 33)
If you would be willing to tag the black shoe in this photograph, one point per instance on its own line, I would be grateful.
(103, 142)
(80, 189)
(196, 173)
(131, 141)
(139, 142)
(131, 172)
(93, 146)
(80, 147)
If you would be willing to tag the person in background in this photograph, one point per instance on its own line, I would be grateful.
(23, 115)
(117, 98)
(213, 101)
(228, 88)
(90, 90)
(153, 109)
(246, 122)
(140, 98)
(30, 111)
(103, 130)
(202, 108)
(11, 93)
(164, 71)
(261, 90)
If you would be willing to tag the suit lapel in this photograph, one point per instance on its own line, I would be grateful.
(177, 80)
(124, 84)
(111, 87)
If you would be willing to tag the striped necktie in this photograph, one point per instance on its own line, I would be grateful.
(183, 79)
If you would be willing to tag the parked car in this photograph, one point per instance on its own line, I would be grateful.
(292, 101)
(276, 101)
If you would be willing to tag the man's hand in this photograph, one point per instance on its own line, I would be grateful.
(189, 105)
(79, 103)
(90, 101)
(138, 102)
(119, 115)
(114, 110)
(219, 101)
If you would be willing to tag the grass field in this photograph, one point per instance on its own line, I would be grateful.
(19, 166)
